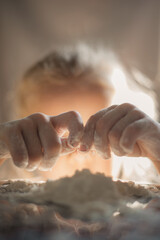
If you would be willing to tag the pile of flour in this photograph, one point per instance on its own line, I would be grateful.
(84, 195)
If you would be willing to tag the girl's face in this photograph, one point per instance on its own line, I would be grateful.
(86, 101)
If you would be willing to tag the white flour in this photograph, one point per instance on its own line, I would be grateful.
(85, 196)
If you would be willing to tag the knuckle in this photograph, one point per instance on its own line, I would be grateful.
(6, 132)
(26, 122)
(112, 106)
(127, 106)
(138, 113)
(91, 120)
(75, 114)
(78, 120)
(10, 132)
(39, 117)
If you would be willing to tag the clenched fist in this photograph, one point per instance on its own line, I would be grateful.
(35, 142)
(125, 130)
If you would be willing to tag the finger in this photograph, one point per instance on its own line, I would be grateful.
(33, 144)
(89, 130)
(51, 143)
(117, 130)
(133, 132)
(71, 121)
(17, 148)
(105, 124)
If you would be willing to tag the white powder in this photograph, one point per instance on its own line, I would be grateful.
(88, 196)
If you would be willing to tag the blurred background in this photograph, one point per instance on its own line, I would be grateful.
(30, 28)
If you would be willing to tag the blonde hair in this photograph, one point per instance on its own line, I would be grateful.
(67, 66)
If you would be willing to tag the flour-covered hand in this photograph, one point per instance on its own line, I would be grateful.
(35, 142)
(125, 130)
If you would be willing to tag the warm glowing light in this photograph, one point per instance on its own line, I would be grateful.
(125, 94)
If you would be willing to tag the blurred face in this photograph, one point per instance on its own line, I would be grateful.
(87, 102)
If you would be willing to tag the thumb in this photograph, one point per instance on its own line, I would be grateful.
(72, 122)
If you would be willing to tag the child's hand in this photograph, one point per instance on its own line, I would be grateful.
(34, 142)
(125, 130)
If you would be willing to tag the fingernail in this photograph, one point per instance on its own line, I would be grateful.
(44, 169)
(21, 164)
(47, 165)
(83, 148)
(31, 168)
